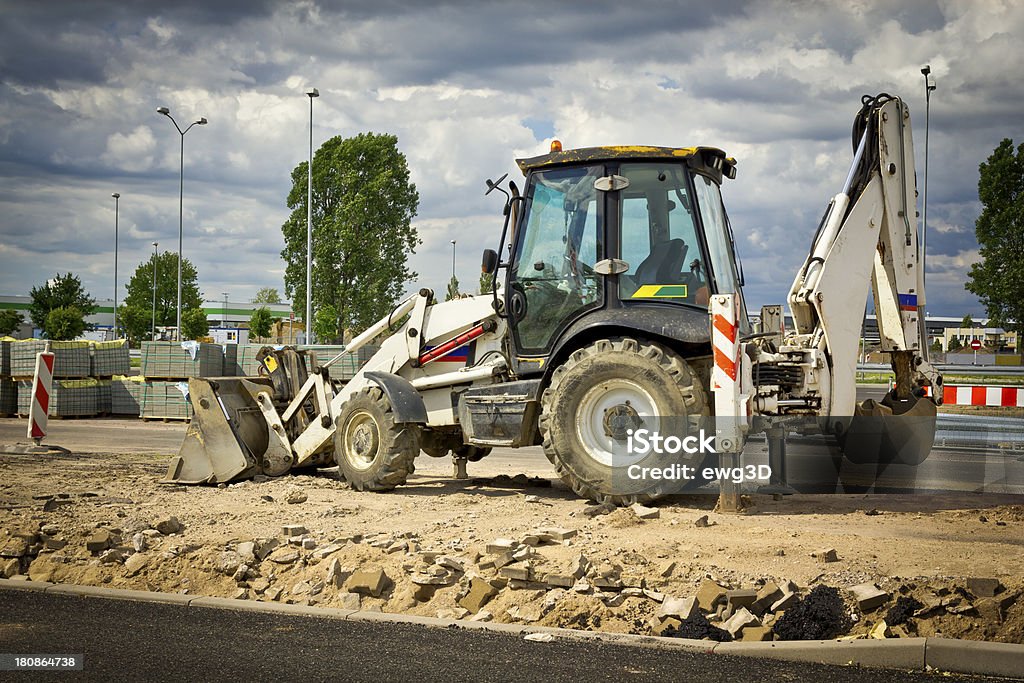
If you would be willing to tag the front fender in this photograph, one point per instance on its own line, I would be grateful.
(406, 402)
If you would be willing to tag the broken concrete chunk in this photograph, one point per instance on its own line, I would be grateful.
(869, 596)
(740, 597)
(683, 608)
(449, 562)
(787, 600)
(827, 555)
(767, 595)
(666, 568)
(709, 595)
(112, 556)
(742, 618)
(644, 512)
(335, 574)
(500, 545)
(134, 564)
(372, 582)
(284, 556)
(983, 588)
(519, 573)
(308, 543)
(482, 615)
(701, 522)
(295, 497)
(168, 525)
(293, 530)
(16, 547)
(480, 593)
(756, 634)
(350, 600)
(558, 533)
(99, 540)
(559, 580)
(660, 626)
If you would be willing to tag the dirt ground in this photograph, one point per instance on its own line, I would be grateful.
(546, 556)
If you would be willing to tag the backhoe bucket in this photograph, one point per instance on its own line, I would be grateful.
(229, 436)
(892, 431)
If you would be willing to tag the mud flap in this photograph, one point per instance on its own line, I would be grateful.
(892, 431)
(229, 437)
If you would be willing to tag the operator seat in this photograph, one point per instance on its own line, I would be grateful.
(664, 264)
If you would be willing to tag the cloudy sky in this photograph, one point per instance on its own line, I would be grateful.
(468, 87)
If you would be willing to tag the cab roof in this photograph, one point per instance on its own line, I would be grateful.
(710, 160)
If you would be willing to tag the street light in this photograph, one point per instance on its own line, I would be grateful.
(117, 198)
(225, 316)
(453, 259)
(181, 194)
(928, 87)
(312, 93)
(152, 334)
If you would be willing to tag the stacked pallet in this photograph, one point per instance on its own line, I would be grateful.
(71, 359)
(246, 364)
(126, 395)
(347, 366)
(109, 358)
(8, 389)
(68, 397)
(166, 367)
(230, 360)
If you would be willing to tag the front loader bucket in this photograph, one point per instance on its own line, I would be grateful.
(228, 437)
(890, 431)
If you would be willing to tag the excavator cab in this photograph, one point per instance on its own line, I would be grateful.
(629, 238)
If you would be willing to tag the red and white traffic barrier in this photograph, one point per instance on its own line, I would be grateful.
(972, 395)
(39, 409)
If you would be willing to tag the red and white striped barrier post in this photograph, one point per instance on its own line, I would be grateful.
(39, 409)
(725, 345)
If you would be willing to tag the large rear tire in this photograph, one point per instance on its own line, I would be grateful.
(372, 451)
(597, 393)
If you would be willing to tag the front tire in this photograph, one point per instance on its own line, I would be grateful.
(601, 391)
(372, 451)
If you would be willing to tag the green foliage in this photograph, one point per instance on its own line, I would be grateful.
(485, 282)
(140, 288)
(267, 295)
(325, 325)
(935, 346)
(194, 323)
(64, 323)
(63, 291)
(968, 321)
(363, 205)
(260, 321)
(134, 323)
(453, 289)
(10, 321)
(955, 344)
(998, 279)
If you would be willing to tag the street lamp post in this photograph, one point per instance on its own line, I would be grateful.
(312, 93)
(152, 334)
(225, 315)
(453, 259)
(181, 195)
(928, 87)
(117, 199)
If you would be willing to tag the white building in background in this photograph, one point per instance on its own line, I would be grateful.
(229, 320)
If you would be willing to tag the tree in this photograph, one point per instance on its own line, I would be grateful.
(259, 322)
(453, 289)
(267, 295)
(194, 324)
(998, 278)
(936, 346)
(10, 321)
(955, 344)
(363, 205)
(325, 324)
(485, 282)
(135, 323)
(63, 291)
(140, 288)
(968, 321)
(65, 323)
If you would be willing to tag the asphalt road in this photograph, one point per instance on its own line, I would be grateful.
(124, 640)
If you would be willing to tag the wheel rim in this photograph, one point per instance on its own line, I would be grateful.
(623, 397)
(362, 440)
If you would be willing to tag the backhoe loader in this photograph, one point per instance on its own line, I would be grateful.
(617, 309)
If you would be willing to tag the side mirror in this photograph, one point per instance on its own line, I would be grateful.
(489, 263)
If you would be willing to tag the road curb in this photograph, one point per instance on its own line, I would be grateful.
(980, 657)
(908, 654)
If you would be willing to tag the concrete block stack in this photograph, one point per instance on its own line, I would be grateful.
(347, 366)
(71, 358)
(109, 358)
(230, 360)
(72, 394)
(126, 395)
(165, 365)
(8, 389)
(68, 397)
